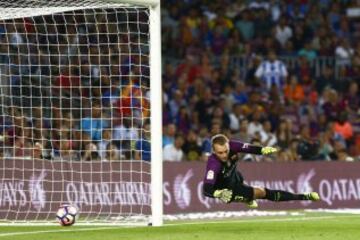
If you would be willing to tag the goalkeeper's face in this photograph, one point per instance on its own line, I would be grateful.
(221, 151)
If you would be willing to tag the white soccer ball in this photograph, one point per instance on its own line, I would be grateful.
(66, 215)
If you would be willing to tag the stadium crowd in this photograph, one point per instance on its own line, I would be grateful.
(308, 115)
(92, 103)
(75, 86)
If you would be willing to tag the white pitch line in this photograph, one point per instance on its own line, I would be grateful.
(55, 231)
(255, 220)
(175, 224)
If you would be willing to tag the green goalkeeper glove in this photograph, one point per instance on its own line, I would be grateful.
(268, 150)
(225, 195)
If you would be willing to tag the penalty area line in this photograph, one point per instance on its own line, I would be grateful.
(56, 231)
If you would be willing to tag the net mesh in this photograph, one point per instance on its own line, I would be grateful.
(74, 109)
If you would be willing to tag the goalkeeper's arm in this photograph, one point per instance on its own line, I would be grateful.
(224, 195)
(240, 147)
(208, 190)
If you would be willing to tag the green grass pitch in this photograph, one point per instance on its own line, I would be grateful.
(312, 226)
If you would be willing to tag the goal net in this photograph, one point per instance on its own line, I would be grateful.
(75, 110)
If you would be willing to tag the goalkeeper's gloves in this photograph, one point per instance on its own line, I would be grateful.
(224, 195)
(268, 150)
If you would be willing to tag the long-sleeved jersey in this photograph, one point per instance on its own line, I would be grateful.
(220, 174)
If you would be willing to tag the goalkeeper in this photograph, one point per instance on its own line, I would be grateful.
(223, 181)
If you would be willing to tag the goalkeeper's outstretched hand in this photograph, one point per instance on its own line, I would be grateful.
(224, 195)
(268, 150)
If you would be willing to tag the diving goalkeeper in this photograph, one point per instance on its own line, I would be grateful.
(223, 181)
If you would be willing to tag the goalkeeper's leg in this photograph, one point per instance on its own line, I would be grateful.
(245, 194)
(279, 195)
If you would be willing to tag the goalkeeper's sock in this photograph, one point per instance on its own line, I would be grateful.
(313, 196)
(279, 196)
(252, 204)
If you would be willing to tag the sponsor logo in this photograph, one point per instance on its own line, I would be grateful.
(182, 192)
(37, 192)
(303, 184)
(108, 194)
(339, 189)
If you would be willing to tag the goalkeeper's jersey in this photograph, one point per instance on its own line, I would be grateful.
(224, 174)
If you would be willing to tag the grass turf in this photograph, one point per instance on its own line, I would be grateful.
(312, 226)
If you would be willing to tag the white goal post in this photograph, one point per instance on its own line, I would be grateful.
(80, 109)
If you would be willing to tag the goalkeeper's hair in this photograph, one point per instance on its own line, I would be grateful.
(220, 139)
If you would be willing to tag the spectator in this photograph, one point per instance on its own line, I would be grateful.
(272, 71)
(344, 52)
(240, 95)
(294, 91)
(91, 153)
(263, 24)
(176, 103)
(254, 104)
(227, 98)
(188, 67)
(304, 70)
(242, 134)
(245, 25)
(325, 148)
(191, 147)
(343, 127)
(112, 153)
(332, 106)
(183, 120)
(204, 106)
(326, 79)
(95, 123)
(344, 156)
(352, 98)
(142, 146)
(125, 135)
(255, 124)
(169, 134)
(284, 134)
(235, 117)
(235, 43)
(68, 81)
(344, 30)
(215, 127)
(283, 156)
(308, 52)
(102, 145)
(308, 148)
(268, 138)
(293, 153)
(205, 68)
(222, 118)
(205, 142)
(63, 146)
(173, 152)
(283, 31)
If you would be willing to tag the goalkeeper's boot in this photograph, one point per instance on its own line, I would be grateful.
(313, 196)
(252, 204)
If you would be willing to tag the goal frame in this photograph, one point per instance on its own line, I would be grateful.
(156, 173)
(156, 108)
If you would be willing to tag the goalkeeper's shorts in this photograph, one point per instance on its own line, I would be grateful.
(242, 193)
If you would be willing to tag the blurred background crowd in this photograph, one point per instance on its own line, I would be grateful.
(75, 85)
(276, 73)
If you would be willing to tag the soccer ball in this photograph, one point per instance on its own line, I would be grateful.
(66, 215)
